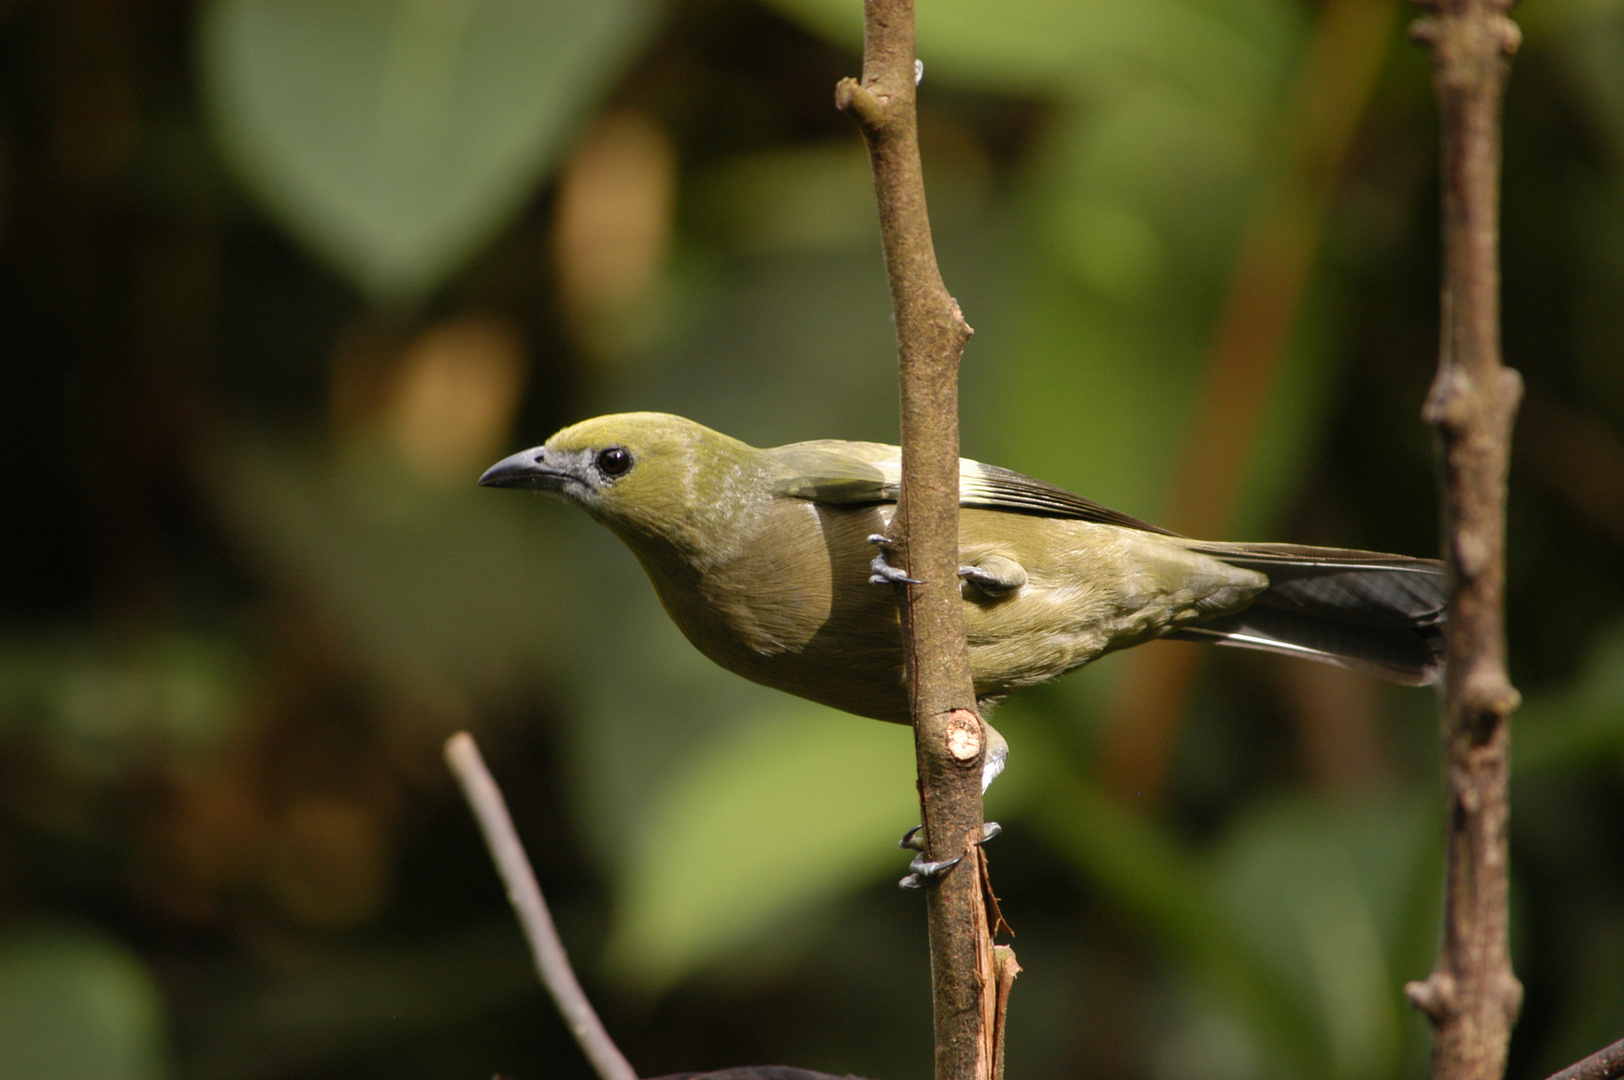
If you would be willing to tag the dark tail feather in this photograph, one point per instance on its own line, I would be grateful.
(1380, 613)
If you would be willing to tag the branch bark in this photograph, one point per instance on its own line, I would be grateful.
(949, 738)
(1605, 1064)
(1472, 996)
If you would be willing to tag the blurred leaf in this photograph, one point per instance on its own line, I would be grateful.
(1292, 426)
(809, 198)
(1138, 205)
(100, 702)
(1135, 209)
(757, 1072)
(306, 1008)
(820, 197)
(395, 137)
(1146, 873)
(1176, 902)
(1323, 891)
(431, 588)
(793, 811)
(1228, 49)
(76, 1004)
(1293, 928)
(1576, 725)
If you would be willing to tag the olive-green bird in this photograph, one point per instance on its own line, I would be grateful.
(766, 560)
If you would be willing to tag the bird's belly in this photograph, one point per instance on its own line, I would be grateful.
(797, 613)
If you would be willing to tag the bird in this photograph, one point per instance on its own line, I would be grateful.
(773, 563)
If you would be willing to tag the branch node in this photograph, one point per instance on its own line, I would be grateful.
(1510, 36)
(864, 106)
(1448, 407)
(966, 331)
(1511, 997)
(1511, 383)
(1434, 995)
(1489, 696)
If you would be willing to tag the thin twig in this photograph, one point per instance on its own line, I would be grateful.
(1605, 1064)
(949, 739)
(1472, 996)
(490, 810)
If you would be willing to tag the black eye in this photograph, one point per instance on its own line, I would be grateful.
(614, 461)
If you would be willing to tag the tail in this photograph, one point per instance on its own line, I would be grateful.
(1359, 609)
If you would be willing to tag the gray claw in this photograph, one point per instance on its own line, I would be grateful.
(922, 871)
(881, 572)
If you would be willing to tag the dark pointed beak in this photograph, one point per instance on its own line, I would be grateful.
(526, 469)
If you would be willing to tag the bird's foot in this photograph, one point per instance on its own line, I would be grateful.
(995, 575)
(880, 570)
(923, 871)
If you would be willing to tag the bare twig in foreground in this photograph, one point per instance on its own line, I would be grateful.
(1472, 997)
(949, 739)
(1604, 1064)
(490, 810)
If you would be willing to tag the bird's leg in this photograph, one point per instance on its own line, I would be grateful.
(922, 871)
(995, 575)
(880, 570)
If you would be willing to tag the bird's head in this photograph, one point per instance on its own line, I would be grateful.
(645, 475)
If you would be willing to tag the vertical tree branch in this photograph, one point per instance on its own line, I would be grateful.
(1472, 997)
(948, 735)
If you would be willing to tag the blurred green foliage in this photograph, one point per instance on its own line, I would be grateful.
(281, 278)
(395, 138)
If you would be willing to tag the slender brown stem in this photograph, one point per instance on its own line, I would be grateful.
(490, 810)
(948, 735)
(1605, 1064)
(1472, 996)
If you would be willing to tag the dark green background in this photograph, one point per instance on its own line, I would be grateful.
(278, 279)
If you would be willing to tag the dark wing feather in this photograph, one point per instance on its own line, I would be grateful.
(1360, 609)
(992, 488)
(1359, 586)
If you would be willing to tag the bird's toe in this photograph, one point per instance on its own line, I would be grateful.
(880, 570)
